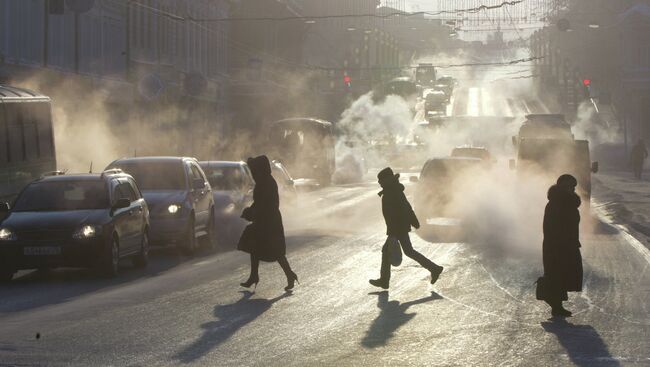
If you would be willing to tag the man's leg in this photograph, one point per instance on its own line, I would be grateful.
(409, 251)
(384, 277)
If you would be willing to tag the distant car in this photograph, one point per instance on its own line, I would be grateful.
(472, 152)
(445, 84)
(86, 220)
(179, 197)
(232, 189)
(436, 101)
(286, 185)
(437, 184)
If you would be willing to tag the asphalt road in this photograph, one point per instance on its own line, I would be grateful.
(482, 311)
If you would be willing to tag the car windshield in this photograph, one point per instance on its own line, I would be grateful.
(224, 178)
(156, 175)
(63, 195)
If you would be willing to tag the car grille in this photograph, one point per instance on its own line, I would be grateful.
(44, 235)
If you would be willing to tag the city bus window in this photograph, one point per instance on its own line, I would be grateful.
(3, 137)
(16, 153)
(31, 141)
(44, 124)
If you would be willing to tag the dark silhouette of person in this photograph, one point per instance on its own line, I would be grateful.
(637, 156)
(264, 238)
(399, 217)
(393, 315)
(561, 246)
(230, 319)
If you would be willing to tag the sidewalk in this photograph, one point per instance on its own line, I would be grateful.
(625, 199)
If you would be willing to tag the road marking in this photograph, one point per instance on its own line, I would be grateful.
(473, 107)
(624, 232)
(486, 103)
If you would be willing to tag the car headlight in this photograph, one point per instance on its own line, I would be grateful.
(85, 232)
(7, 234)
(173, 209)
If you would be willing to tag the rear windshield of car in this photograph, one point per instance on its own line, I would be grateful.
(156, 175)
(62, 196)
(224, 178)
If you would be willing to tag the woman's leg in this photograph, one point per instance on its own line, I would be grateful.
(254, 277)
(255, 265)
(291, 276)
(284, 263)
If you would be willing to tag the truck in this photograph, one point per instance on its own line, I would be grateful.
(546, 145)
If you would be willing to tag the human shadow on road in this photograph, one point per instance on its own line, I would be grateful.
(582, 342)
(391, 317)
(231, 318)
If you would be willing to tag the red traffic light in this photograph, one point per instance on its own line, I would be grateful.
(347, 79)
(586, 82)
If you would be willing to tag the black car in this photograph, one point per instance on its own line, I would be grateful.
(86, 220)
(232, 189)
(179, 197)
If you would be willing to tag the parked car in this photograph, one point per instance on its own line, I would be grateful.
(179, 197)
(85, 220)
(286, 184)
(232, 189)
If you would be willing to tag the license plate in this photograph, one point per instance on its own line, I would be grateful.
(42, 250)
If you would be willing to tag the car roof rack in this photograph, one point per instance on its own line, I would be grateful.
(53, 173)
(112, 171)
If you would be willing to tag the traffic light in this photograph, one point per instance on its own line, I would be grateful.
(347, 80)
(586, 88)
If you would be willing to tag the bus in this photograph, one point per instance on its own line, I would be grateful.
(306, 146)
(26, 139)
(425, 75)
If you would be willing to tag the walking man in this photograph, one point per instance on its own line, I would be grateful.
(399, 217)
(638, 155)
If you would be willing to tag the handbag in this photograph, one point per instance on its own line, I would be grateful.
(541, 291)
(395, 251)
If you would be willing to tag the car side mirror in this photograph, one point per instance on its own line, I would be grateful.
(511, 164)
(414, 179)
(594, 167)
(198, 184)
(4, 207)
(290, 182)
(122, 203)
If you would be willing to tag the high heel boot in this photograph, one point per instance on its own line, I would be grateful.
(290, 280)
(251, 280)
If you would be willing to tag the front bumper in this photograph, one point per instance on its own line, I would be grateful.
(168, 229)
(17, 255)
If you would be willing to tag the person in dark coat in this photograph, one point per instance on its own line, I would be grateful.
(637, 157)
(561, 246)
(264, 238)
(399, 217)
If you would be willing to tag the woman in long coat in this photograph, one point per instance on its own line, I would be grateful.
(561, 247)
(264, 239)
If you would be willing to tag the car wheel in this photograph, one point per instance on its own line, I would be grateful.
(6, 275)
(188, 248)
(141, 260)
(111, 261)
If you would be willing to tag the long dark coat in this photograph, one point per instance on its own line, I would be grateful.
(561, 247)
(264, 238)
(397, 211)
